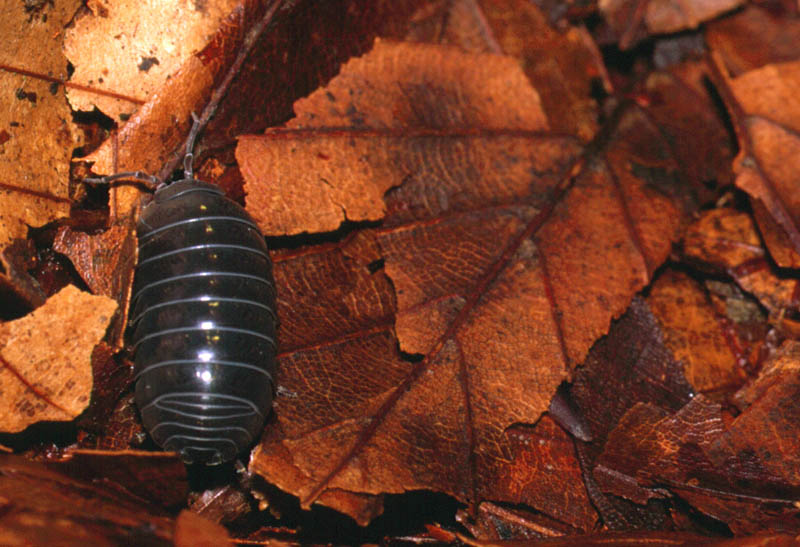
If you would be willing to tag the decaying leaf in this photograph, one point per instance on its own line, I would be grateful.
(361, 130)
(158, 479)
(37, 135)
(46, 363)
(633, 20)
(563, 67)
(723, 470)
(152, 137)
(755, 36)
(728, 241)
(491, 243)
(491, 206)
(695, 335)
(44, 507)
(192, 530)
(766, 111)
(126, 48)
(105, 262)
(17, 288)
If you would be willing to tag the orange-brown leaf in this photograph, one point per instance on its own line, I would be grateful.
(192, 530)
(105, 262)
(36, 130)
(563, 66)
(126, 48)
(766, 111)
(359, 136)
(45, 357)
(633, 20)
(757, 35)
(509, 257)
(727, 240)
(694, 334)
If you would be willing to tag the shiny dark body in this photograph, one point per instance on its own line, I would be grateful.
(204, 323)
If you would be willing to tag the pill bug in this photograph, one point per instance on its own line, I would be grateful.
(203, 322)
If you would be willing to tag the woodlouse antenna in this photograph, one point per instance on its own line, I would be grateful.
(151, 182)
(188, 158)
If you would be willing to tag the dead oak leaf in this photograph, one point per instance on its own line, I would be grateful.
(37, 134)
(509, 252)
(46, 364)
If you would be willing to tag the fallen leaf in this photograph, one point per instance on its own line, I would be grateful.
(36, 130)
(494, 522)
(756, 36)
(46, 358)
(634, 20)
(192, 530)
(45, 507)
(775, 238)
(491, 243)
(719, 469)
(371, 107)
(106, 264)
(125, 47)
(563, 66)
(632, 364)
(157, 479)
(727, 240)
(695, 335)
(653, 539)
(766, 112)
(18, 289)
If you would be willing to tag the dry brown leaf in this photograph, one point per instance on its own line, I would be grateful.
(633, 20)
(151, 137)
(563, 67)
(36, 130)
(192, 530)
(694, 334)
(105, 262)
(339, 183)
(130, 47)
(492, 243)
(766, 111)
(46, 364)
(728, 241)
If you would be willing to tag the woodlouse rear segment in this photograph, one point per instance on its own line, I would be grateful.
(203, 312)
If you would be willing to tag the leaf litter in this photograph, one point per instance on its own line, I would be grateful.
(496, 234)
